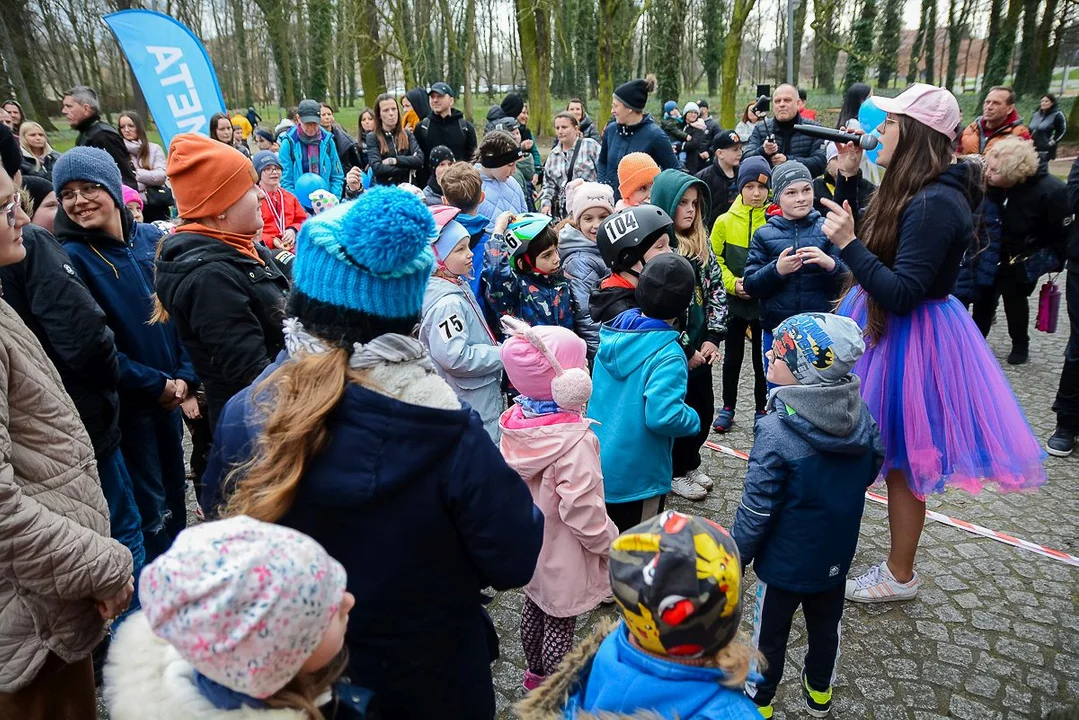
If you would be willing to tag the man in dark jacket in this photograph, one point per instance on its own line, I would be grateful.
(843, 181)
(1066, 405)
(721, 175)
(446, 126)
(801, 508)
(49, 297)
(83, 112)
(776, 140)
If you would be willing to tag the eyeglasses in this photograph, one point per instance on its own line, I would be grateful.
(90, 191)
(11, 210)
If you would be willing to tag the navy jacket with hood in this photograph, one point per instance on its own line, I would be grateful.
(809, 289)
(801, 509)
(120, 276)
(422, 511)
(621, 140)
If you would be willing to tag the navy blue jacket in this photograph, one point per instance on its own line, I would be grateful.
(621, 140)
(809, 289)
(978, 268)
(805, 487)
(120, 276)
(423, 512)
(934, 231)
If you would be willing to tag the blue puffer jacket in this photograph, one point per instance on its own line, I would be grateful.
(810, 289)
(638, 390)
(290, 154)
(801, 509)
(120, 276)
(621, 140)
(622, 681)
(500, 197)
(978, 268)
(418, 505)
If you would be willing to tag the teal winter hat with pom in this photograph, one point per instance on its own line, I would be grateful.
(362, 267)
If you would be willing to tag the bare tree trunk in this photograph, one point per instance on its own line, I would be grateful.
(731, 54)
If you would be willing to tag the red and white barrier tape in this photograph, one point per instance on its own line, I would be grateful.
(944, 519)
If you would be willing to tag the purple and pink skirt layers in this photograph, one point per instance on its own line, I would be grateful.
(946, 412)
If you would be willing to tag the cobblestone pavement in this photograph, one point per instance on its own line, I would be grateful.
(994, 633)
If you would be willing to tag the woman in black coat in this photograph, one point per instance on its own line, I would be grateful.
(1034, 220)
(392, 152)
(1047, 127)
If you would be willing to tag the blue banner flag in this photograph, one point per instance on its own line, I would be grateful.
(172, 68)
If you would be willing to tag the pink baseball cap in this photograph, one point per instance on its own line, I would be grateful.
(928, 104)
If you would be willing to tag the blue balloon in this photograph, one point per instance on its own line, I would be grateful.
(305, 185)
(870, 117)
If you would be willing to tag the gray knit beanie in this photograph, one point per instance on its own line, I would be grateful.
(786, 173)
(89, 164)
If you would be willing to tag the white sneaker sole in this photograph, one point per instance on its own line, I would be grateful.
(1057, 453)
(817, 713)
(872, 600)
(691, 498)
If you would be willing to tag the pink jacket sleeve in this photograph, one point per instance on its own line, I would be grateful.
(579, 484)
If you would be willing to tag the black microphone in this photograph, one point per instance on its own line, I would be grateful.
(866, 142)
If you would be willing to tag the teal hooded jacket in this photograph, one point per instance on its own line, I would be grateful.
(638, 390)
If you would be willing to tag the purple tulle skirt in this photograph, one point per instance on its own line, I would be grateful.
(946, 413)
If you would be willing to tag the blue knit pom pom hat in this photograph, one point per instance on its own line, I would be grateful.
(362, 267)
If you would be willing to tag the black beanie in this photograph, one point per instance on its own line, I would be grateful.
(38, 189)
(512, 105)
(634, 94)
(665, 286)
(10, 152)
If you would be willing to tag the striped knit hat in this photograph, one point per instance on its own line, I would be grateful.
(362, 267)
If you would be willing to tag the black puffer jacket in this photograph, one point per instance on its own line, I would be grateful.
(721, 188)
(227, 308)
(805, 149)
(350, 151)
(51, 299)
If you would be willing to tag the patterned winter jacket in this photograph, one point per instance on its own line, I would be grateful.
(536, 299)
(556, 173)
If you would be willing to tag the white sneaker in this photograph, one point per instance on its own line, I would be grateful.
(700, 478)
(684, 487)
(879, 585)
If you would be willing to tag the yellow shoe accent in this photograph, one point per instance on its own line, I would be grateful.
(766, 711)
(821, 698)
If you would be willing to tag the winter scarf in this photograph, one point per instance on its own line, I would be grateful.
(244, 244)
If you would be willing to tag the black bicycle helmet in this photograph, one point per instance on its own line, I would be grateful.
(624, 237)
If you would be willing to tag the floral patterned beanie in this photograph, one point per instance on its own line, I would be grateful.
(245, 602)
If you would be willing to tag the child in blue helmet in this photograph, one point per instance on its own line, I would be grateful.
(522, 272)
(677, 580)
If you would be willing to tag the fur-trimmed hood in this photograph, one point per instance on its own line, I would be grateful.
(146, 677)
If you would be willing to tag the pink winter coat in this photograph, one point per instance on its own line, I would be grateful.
(558, 458)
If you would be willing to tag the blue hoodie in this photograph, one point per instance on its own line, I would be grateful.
(638, 391)
(624, 679)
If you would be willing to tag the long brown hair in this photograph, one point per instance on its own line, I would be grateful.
(140, 132)
(296, 400)
(919, 158)
(304, 690)
(400, 135)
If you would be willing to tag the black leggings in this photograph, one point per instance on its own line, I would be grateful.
(546, 639)
(732, 361)
(686, 453)
(630, 514)
(1015, 294)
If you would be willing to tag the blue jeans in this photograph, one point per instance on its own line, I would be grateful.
(125, 522)
(153, 450)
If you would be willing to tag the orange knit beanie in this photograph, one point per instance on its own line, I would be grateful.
(207, 176)
(635, 170)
